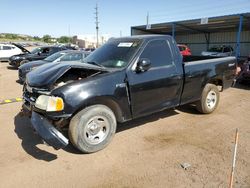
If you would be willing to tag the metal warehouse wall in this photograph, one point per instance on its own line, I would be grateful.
(197, 42)
(138, 32)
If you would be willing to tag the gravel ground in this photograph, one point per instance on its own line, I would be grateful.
(147, 152)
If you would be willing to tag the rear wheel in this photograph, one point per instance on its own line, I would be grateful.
(92, 128)
(209, 99)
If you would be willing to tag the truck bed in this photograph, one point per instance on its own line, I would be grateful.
(197, 58)
(203, 70)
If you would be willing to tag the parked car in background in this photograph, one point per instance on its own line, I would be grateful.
(219, 51)
(69, 46)
(36, 54)
(65, 55)
(184, 50)
(8, 50)
(89, 49)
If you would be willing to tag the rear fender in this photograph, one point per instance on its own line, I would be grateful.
(217, 80)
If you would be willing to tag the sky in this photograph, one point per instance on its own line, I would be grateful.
(76, 17)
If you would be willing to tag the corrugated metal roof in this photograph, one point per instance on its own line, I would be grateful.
(215, 24)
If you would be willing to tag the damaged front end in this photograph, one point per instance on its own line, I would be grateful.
(45, 126)
(47, 106)
(48, 132)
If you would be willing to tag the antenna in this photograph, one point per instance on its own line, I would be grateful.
(97, 25)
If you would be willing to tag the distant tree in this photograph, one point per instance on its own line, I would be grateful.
(46, 38)
(64, 39)
(11, 36)
(36, 38)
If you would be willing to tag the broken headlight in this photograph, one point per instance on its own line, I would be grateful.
(49, 103)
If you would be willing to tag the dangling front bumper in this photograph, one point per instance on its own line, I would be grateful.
(48, 132)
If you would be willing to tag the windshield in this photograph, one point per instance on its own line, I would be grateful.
(35, 50)
(54, 56)
(114, 54)
(216, 49)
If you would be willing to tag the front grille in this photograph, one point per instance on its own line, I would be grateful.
(32, 96)
(29, 96)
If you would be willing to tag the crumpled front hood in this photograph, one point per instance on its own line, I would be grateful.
(46, 75)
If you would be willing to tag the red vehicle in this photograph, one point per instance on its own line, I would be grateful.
(184, 50)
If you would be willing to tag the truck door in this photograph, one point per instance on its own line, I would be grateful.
(160, 86)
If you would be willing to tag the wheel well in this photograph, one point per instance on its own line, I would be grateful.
(217, 82)
(115, 108)
(109, 103)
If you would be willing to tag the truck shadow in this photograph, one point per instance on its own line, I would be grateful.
(243, 85)
(189, 109)
(143, 120)
(30, 140)
(71, 149)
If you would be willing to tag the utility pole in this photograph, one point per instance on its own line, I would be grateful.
(97, 26)
(148, 26)
(147, 19)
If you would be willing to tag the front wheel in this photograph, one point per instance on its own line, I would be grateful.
(209, 99)
(92, 128)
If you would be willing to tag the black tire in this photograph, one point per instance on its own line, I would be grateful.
(84, 125)
(209, 99)
(23, 62)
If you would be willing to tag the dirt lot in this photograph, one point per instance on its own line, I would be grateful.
(144, 153)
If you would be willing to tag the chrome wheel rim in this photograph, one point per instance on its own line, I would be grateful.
(211, 99)
(96, 130)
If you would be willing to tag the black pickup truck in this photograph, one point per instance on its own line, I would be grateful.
(124, 79)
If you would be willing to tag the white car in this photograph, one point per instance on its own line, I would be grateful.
(219, 51)
(8, 50)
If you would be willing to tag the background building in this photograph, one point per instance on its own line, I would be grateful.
(89, 41)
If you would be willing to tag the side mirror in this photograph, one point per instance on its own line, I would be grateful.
(39, 53)
(143, 65)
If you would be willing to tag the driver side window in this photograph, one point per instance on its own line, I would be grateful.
(158, 52)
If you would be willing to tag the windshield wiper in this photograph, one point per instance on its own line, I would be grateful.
(94, 63)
